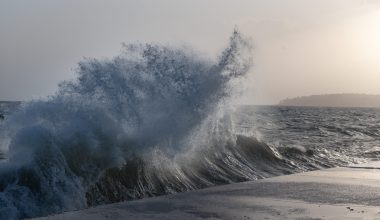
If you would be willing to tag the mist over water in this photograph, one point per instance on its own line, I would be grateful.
(150, 101)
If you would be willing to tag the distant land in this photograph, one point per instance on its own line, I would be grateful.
(335, 100)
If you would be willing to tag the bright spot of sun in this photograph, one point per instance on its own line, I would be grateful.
(365, 33)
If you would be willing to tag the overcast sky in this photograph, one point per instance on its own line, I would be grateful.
(302, 47)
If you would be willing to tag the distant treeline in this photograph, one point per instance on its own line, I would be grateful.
(335, 100)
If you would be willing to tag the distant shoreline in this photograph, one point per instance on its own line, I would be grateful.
(334, 100)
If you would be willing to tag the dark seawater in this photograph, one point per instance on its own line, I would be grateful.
(157, 120)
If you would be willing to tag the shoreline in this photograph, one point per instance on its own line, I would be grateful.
(335, 193)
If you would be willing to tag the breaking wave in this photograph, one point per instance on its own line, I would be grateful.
(149, 121)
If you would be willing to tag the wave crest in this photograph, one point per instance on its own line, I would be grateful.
(154, 100)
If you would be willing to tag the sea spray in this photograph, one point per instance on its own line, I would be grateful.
(149, 100)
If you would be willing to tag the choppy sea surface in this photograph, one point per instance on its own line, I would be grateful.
(333, 136)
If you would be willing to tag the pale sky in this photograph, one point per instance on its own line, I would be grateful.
(302, 47)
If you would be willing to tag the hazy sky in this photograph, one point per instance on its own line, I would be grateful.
(302, 47)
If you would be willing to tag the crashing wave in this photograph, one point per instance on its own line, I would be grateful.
(140, 120)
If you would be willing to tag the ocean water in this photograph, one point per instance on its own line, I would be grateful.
(156, 120)
(333, 136)
(270, 141)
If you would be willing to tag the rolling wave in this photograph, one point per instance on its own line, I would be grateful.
(120, 129)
